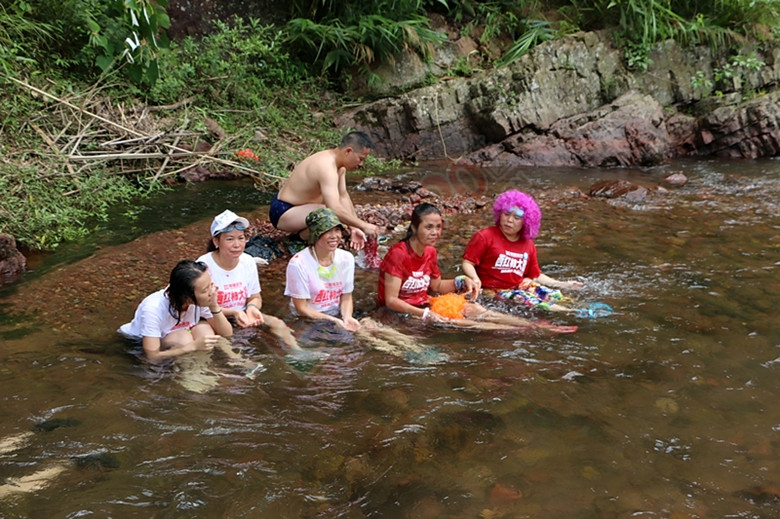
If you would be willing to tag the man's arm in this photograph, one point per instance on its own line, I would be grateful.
(336, 197)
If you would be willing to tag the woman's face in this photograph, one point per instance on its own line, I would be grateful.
(430, 229)
(510, 224)
(330, 240)
(230, 244)
(204, 289)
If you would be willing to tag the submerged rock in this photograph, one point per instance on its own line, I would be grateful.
(618, 189)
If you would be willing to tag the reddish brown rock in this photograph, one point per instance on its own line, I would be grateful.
(503, 494)
(12, 261)
(676, 179)
(618, 189)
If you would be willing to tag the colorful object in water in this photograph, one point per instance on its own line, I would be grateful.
(532, 294)
(449, 305)
(594, 310)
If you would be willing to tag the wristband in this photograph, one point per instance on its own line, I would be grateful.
(460, 282)
(215, 313)
(425, 314)
(252, 304)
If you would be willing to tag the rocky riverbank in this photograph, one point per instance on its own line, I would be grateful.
(575, 102)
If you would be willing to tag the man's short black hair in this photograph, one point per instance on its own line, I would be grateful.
(357, 140)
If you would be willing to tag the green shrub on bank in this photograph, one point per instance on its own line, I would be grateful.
(42, 210)
(239, 64)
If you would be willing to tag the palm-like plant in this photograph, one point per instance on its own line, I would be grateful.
(338, 35)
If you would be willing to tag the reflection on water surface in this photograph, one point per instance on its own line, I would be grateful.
(664, 409)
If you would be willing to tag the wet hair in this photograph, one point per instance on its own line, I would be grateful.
(533, 215)
(418, 212)
(357, 140)
(181, 289)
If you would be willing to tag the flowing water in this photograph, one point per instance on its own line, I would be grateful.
(666, 408)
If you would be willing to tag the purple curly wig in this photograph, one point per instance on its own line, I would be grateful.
(533, 215)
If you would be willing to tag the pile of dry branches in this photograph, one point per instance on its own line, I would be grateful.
(89, 131)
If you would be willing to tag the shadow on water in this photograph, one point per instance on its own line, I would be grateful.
(662, 409)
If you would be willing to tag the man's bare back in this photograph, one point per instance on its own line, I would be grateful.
(304, 184)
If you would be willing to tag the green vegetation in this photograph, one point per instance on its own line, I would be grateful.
(44, 210)
(80, 75)
(239, 80)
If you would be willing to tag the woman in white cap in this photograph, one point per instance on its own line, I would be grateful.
(320, 278)
(234, 272)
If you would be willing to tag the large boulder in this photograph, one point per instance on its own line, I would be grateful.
(747, 130)
(574, 102)
(629, 131)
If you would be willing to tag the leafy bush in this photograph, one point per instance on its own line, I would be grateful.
(20, 37)
(235, 65)
(42, 211)
(536, 31)
(352, 34)
(85, 37)
(709, 22)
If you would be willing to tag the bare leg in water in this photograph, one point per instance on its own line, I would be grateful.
(277, 327)
(479, 314)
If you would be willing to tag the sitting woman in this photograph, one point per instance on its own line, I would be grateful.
(502, 257)
(410, 270)
(181, 318)
(320, 278)
(234, 273)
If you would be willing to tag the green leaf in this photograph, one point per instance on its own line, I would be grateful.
(104, 62)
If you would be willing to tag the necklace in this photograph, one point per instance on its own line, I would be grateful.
(324, 272)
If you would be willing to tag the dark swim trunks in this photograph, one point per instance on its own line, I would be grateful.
(278, 208)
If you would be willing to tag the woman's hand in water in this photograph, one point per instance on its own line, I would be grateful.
(206, 343)
(473, 288)
(571, 285)
(350, 324)
(251, 317)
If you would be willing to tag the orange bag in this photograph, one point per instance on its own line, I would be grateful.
(449, 305)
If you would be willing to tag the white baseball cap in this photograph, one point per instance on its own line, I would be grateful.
(223, 220)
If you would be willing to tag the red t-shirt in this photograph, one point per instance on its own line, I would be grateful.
(501, 263)
(415, 272)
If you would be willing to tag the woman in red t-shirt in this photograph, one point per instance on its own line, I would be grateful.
(501, 256)
(410, 270)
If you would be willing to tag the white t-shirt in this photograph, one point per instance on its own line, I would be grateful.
(234, 286)
(324, 295)
(152, 318)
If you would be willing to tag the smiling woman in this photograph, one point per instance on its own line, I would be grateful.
(236, 278)
(320, 278)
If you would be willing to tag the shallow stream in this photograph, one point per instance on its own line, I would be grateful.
(667, 408)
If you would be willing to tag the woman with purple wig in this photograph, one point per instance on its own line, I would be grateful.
(502, 256)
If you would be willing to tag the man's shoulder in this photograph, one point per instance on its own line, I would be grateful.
(315, 168)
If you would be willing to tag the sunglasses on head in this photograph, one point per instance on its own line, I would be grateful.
(516, 212)
(233, 227)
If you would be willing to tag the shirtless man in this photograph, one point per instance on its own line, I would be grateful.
(320, 180)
